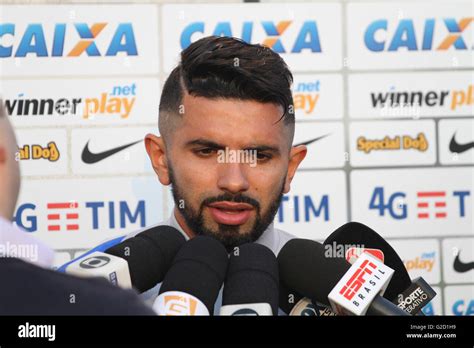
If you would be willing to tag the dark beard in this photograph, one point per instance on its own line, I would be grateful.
(228, 235)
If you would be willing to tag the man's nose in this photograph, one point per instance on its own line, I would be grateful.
(232, 177)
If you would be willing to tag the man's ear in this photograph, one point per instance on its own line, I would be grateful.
(297, 154)
(155, 147)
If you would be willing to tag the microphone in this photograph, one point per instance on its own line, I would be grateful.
(288, 298)
(140, 262)
(192, 284)
(415, 297)
(360, 236)
(251, 285)
(305, 307)
(332, 281)
(351, 235)
(293, 304)
(99, 264)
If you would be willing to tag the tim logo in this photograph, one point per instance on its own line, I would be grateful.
(357, 280)
(34, 41)
(180, 305)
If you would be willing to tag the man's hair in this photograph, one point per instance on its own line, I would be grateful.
(227, 67)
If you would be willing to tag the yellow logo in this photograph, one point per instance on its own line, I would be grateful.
(35, 152)
(405, 142)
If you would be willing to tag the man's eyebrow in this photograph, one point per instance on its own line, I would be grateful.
(262, 148)
(203, 142)
(214, 145)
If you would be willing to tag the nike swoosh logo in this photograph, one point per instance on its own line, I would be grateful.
(312, 140)
(460, 266)
(91, 158)
(455, 147)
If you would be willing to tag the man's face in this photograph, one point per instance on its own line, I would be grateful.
(228, 164)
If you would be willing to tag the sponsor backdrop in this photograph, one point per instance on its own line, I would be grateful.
(384, 98)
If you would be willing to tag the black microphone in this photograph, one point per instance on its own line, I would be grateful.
(305, 267)
(149, 255)
(360, 235)
(400, 290)
(140, 262)
(288, 298)
(251, 285)
(192, 284)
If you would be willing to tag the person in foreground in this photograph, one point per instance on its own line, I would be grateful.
(28, 286)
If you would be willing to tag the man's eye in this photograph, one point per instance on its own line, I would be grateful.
(205, 152)
(263, 156)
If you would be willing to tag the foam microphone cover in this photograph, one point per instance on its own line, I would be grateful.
(252, 277)
(354, 233)
(288, 298)
(198, 269)
(304, 268)
(149, 255)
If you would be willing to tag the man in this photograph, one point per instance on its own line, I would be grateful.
(13, 241)
(26, 288)
(227, 96)
(226, 120)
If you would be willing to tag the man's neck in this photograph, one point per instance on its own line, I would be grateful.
(182, 223)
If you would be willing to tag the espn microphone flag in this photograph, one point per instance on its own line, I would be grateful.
(305, 267)
(354, 234)
(358, 238)
(367, 278)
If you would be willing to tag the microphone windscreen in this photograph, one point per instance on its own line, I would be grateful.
(354, 233)
(305, 268)
(198, 269)
(288, 298)
(252, 277)
(149, 255)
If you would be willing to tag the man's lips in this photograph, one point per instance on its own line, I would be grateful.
(230, 213)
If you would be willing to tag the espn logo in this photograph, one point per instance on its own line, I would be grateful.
(365, 279)
(357, 280)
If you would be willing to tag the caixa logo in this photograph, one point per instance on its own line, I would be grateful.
(306, 39)
(462, 307)
(75, 216)
(378, 36)
(44, 42)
